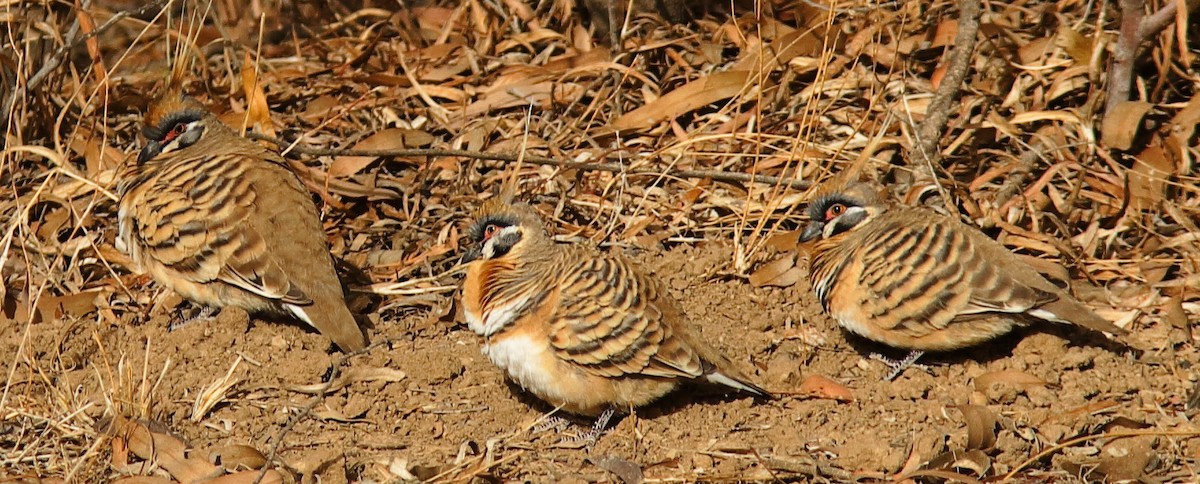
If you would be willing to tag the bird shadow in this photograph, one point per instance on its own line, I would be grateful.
(360, 304)
(997, 349)
(694, 393)
(688, 394)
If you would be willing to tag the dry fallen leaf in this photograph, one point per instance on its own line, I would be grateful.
(940, 466)
(163, 449)
(1152, 170)
(821, 387)
(688, 97)
(257, 111)
(628, 472)
(981, 426)
(781, 272)
(387, 139)
(238, 457)
(1012, 377)
(1127, 459)
(350, 376)
(1121, 126)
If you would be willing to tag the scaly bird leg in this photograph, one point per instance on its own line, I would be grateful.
(898, 366)
(552, 422)
(204, 313)
(589, 438)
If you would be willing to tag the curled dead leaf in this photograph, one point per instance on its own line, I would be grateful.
(627, 471)
(943, 465)
(349, 377)
(257, 110)
(238, 457)
(783, 241)
(779, 272)
(163, 449)
(981, 426)
(1012, 377)
(387, 139)
(249, 477)
(1121, 126)
(686, 98)
(821, 387)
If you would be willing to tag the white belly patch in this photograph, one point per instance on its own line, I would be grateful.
(491, 321)
(525, 362)
(850, 323)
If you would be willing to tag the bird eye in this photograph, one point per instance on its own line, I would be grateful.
(834, 211)
(489, 231)
(175, 132)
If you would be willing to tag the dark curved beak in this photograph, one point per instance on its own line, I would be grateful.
(471, 255)
(812, 232)
(152, 149)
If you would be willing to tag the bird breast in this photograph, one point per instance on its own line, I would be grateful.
(487, 321)
(528, 362)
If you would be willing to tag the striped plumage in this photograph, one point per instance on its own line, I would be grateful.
(223, 222)
(913, 279)
(578, 328)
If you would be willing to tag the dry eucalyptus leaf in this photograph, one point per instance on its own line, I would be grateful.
(981, 426)
(330, 414)
(973, 460)
(1175, 315)
(686, 98)
(257, 111)
(779, 272)
(139, 480)
(320, 108)
(783, 241)
(1077, 45)
(628, 472)
(1127, 458)
(1012, 377)
(250, 477)
(350, 376)
(1122, 125)
(237, 457)
(387, 139)
(165, 450)
(822, 387)
(1152, 169)
(949, 476)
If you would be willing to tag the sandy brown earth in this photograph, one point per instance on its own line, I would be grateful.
(424, 402)
(102, 382)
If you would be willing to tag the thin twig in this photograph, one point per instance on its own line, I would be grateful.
(1078, 440)
(69, 43)
(1120, 73)
(724, 176)
(1136, 27)
(929, 134)
(1154, 23)
(304, 412)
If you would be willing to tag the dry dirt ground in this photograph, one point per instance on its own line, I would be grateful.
(424, 402)
(102, 383)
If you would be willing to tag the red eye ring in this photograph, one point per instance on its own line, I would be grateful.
(834, 211)
(489, 231)
(175, 132)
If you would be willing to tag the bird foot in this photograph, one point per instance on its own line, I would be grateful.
(589, 438)
(200, 313)
(553, 422)
(898, 366)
